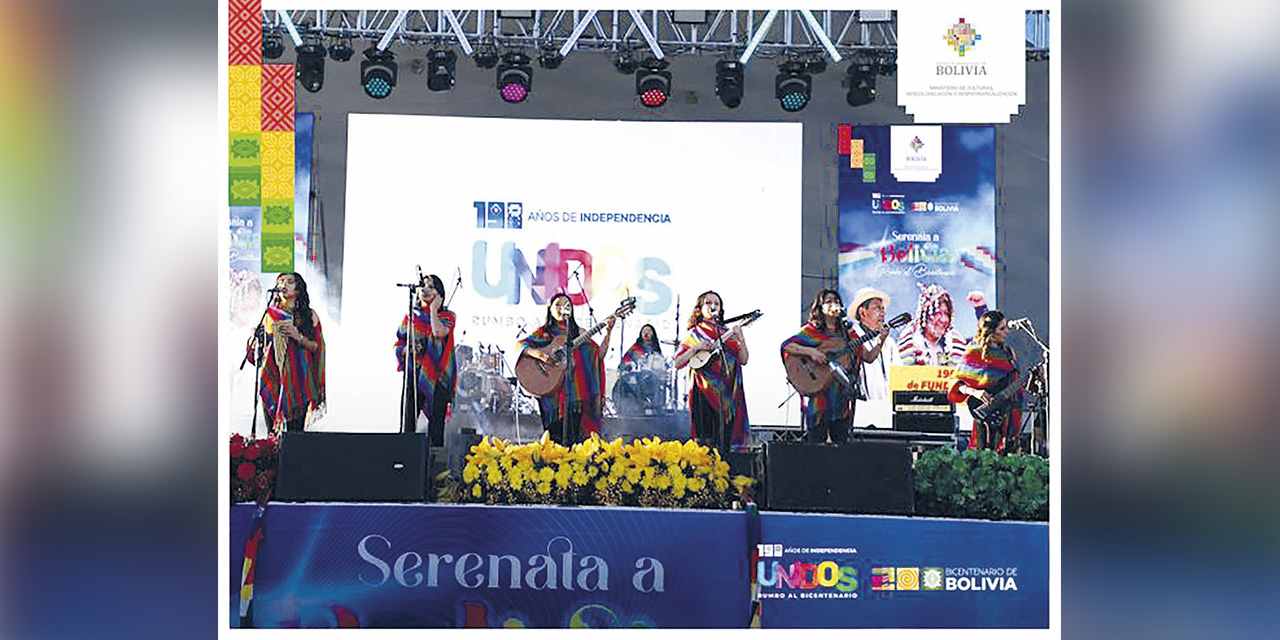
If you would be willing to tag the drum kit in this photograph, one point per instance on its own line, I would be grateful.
(645, 387)
(481, 380)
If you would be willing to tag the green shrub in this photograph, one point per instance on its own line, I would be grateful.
(981, 484)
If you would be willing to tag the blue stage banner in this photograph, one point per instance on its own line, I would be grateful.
(413, 565)
(891, 572)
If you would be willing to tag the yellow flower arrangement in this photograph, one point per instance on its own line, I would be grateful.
(642, 472)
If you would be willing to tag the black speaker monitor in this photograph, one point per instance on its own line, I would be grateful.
(361, 467)
(855, 477)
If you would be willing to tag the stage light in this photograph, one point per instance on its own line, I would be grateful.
(729, 82)
(486, 56)
(625, 62)
(341, 51)
(378, 73)
(861, 80)
(272, 46)
(653, 83)
(441, 64)
(550, 59)
(792, 86)
(515, 77)
(310, 66)
(814, 66)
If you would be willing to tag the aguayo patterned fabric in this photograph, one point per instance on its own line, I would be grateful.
(834, 402)
(983, 369)
(583, 385)
(292, 377)
(434, 354)
(715, 382)
(638, 355)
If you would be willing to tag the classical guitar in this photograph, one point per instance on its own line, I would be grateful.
(702, 357)
(810, 377)
(543, 378)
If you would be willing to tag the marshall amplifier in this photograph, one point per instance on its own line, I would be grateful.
(923, 411)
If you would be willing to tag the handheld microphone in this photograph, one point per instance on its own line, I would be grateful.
(275, 290)
(422, 280)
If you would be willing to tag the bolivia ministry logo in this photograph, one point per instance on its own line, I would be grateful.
(916, 143)
(961, 37)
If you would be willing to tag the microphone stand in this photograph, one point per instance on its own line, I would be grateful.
(1044, 405)
(674, 380)
(515, 402)
(257, 338)
(457, 284)
(408, 392)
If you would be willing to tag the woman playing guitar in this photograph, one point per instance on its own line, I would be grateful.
(987, 378)
(717, 404)
(573, 409)
(829, 411)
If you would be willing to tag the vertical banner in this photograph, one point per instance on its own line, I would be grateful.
(277, 168)
(917, 222)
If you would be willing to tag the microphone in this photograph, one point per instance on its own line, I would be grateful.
(1018, 323)
(275, 290)
(422, 280)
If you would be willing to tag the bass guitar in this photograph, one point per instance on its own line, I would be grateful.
(809, 377)
(990, 416)
(702, 357)
(543, 378)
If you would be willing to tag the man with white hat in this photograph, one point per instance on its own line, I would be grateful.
(876, 410)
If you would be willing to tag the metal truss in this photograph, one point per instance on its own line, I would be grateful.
(663, 33)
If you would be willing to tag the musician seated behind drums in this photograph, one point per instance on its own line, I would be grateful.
(989, 363)
(829, 412)
(434, 376)
(717, 402)
(645, 363)
(574, 410)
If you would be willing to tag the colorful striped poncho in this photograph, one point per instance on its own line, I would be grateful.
(434, 354)
(638, 356)
(583, 386)
(715, 382)
(836, 401)
(983, 371)
(292, 376)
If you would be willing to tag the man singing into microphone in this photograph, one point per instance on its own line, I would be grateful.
(428, 337)
(878, 355)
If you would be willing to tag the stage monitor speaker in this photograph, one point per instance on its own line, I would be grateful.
(854, 477)
(357, 467)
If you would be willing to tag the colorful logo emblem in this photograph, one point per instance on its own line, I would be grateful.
(908, 578)
(932, 577)
(962, 37)
(916, 143)
(882, 579)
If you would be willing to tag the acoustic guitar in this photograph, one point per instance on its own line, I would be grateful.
(543, 378)
(702, 357)
(810, 377)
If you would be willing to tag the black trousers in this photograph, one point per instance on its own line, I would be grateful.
(708, 425)
(435, 415)
(562, 428)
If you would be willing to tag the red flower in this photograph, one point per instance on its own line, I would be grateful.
(269, 446)
(251, 451)
(246, 470)
(237, 445)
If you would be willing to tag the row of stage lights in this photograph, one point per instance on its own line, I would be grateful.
(793, 86)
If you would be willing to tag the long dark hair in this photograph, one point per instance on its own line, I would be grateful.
(657, 346)
(696, 316)
(436, 283)
(571, 324)
(986, 327)
(816, 316)
(302, 306)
